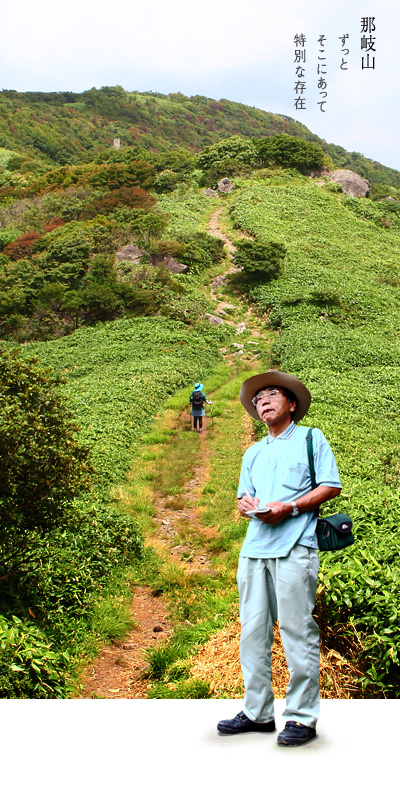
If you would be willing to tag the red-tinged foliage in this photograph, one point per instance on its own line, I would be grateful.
(54, 223)
(127, 196)
(20, 247)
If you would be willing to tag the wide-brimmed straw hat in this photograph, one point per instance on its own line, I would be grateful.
(273, 378)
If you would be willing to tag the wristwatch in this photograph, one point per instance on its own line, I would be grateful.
(295, 510)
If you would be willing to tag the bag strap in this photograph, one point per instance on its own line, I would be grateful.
(311, 457)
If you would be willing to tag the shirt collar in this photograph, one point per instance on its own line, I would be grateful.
(284, 435)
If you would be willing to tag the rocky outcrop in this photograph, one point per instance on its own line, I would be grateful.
(168, 261)
(225, 186)
(352, 183)
(131, 255)
(213, 319)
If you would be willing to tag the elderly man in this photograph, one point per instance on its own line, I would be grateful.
(278, 562)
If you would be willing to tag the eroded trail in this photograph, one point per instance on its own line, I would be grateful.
(215, 231)
(121, 669)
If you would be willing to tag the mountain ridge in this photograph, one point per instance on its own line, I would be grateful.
(46, 130)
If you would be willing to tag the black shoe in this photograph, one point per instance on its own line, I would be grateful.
(295, 734)
(242, 724)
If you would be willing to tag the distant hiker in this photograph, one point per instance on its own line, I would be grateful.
(278, 562)
(197, 400)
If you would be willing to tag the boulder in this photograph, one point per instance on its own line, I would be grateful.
(168, 261)
(225, 186)
(131, 254)
(214, 319)
(352, 183)
(210, 192)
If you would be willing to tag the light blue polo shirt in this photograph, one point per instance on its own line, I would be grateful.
(277, 469)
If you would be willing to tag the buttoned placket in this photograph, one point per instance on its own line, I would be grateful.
(286, 434)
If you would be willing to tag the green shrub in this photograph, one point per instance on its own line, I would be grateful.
(7, 236)
(147, 226)
(243, 151)
(261, 261)
(289, 151)
(166, 181)
(199, 250)
(43, 468)
(29, 666)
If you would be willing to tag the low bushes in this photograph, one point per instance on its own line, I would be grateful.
(338, 329)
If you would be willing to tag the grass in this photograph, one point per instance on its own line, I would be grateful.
(112, 618)
(335, 312)
(177, 463)
(199, 604)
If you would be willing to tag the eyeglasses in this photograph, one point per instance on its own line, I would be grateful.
(269, 396)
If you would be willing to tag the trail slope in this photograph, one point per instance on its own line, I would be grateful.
(121, 670)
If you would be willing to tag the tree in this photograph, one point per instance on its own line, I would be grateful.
(43, 467)
(260, 261)
(290, 151)
(227, 158)
(148, 226)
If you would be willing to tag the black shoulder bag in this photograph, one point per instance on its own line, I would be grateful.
(335, 531)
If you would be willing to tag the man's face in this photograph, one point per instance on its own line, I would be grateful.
(273, 407)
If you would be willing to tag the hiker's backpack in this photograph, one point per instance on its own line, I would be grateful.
(197, 399)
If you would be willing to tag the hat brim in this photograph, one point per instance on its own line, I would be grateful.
(198, 387)
(273, 378)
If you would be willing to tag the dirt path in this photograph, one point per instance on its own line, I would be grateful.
(121, 669)
(213, 228)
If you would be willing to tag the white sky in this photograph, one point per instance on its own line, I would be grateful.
(242, 51)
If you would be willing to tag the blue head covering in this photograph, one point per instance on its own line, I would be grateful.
(198, 386)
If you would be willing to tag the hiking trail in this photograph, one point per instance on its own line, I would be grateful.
(121, 670)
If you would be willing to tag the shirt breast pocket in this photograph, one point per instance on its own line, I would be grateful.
(295, 476)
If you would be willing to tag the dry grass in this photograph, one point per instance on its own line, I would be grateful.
(218, 664)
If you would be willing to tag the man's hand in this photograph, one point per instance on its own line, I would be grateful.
(278, 513)
(247, 503)
(310, 501)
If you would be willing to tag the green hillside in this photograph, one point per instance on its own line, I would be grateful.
(129, 338)
(335, 313)
(65, 128)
